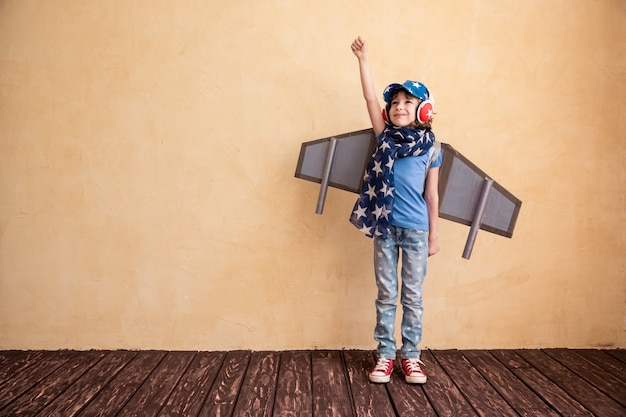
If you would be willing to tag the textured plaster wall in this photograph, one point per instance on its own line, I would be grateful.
(147, 153)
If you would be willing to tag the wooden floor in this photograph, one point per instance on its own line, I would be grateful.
(551, 382)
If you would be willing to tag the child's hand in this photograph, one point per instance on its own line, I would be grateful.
(359, 47)
(433, 245)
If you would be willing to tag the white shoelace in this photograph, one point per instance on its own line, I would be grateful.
(382, 364)
(413, 365)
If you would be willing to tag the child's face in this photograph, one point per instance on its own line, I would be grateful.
(403, 109)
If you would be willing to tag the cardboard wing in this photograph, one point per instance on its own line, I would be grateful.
(352, 151)
(337, 161)
(467, 195)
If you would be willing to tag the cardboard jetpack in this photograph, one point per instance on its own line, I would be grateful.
(467, 195)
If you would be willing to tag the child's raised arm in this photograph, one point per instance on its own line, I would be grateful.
(359, 48)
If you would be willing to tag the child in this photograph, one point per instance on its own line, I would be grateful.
(399, 208)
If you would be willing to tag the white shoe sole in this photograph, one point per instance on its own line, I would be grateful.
(380, 379)
(415, 379)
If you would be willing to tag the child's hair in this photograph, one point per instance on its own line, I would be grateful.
(416, 125)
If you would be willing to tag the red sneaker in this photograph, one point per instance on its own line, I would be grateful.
(413, 374)
(381, 373)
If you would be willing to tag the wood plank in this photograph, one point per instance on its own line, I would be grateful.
(28, 377)
(607, 362)
(370, 400)
(306, 384)
(154, 392)
(441, 391)
(111, 400)
(586, 394)
(294, 396)
(88, 385)
(408, 400)
(10, 356)
(330, 385)
(14, 362)
(485, 400)
(223, 396)
(256, 397)
(193, 388)
(590, 372)
(550, 392)
(40, 395)
(521, 398)
(619, 354)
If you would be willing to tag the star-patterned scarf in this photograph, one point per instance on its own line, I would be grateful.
(375, 203)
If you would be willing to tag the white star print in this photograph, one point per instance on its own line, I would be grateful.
(366, 230)
(377, 168)
(360, 212)
(385, 213)
(377, 212)
(370, 214)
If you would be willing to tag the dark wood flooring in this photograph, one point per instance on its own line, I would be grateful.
(549, 382)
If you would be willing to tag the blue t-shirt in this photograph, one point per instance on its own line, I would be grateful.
(409, 207)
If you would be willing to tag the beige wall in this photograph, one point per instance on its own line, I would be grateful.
(147, 153)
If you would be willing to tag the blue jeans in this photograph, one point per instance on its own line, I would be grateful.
(414, 247)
